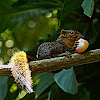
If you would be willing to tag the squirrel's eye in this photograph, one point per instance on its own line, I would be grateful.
(71, 33)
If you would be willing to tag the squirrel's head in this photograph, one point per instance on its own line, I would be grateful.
(71, 34)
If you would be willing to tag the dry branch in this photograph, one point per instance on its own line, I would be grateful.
(53, 64)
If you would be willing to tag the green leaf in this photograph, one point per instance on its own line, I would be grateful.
(3, 87)
(57, 94)
(93, 35)
(70, 7)
(66, 80)
(88, 6)
(28, 96)
(45, 81)
(10, 95)
(1, 37)
(84, 94)
(54, 93)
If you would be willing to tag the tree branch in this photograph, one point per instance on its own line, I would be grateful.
(53, 64)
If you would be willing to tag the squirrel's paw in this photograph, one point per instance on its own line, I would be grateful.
(67, 54)
(76, 43)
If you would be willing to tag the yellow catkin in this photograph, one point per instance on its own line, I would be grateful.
(20, 71)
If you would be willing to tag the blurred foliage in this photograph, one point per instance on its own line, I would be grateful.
(3, 87)
(25, 24)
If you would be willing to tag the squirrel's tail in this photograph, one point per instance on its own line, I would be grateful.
(31, 58)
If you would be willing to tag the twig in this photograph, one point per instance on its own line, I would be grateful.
(53, 64)
(5, 70)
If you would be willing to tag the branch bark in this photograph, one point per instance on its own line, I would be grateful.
(53, 64)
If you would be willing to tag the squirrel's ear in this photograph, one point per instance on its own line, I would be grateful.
(63, 31)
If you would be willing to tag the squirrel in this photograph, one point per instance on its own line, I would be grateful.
(64, 45)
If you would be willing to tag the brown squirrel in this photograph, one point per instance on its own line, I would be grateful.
(65, 44)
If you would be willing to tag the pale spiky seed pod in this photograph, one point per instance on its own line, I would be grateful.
(20, 71)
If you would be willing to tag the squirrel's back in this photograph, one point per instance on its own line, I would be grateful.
(49, 49)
